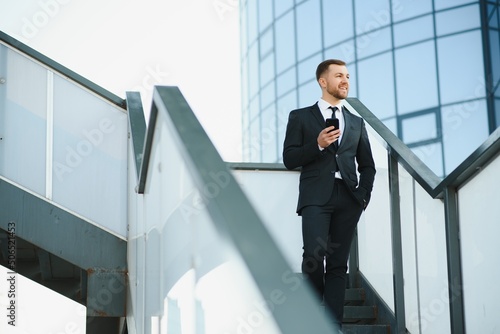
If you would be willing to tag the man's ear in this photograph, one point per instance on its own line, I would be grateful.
(322, 82)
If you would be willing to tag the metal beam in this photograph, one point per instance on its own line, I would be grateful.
(77, 241)
(397, 246)
(453, 254)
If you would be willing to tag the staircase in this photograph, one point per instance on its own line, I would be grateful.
(360, 318)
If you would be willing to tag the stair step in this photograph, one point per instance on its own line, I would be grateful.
(359, 313)
(366, 329)
(354, 295)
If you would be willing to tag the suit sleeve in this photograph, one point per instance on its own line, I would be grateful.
(300, 147)
(366, 165)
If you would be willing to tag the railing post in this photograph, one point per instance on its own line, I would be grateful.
(453, 254)
(397, 248)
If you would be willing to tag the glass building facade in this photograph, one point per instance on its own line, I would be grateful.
(428, 69)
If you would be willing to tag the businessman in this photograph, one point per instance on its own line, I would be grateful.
(332, 195)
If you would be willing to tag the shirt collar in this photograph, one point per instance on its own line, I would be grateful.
(323, 106)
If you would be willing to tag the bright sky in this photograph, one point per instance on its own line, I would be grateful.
(125, 45)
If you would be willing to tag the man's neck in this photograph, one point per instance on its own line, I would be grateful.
(333, 101)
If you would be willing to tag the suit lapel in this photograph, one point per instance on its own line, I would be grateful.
(347, 127)
(317, 114)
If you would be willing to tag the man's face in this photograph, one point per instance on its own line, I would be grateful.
(336, 81)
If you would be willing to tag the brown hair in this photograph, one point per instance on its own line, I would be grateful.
(323, 66)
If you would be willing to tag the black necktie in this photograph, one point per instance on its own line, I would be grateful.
(334, 109)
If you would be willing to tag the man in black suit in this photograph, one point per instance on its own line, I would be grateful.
(331, 195)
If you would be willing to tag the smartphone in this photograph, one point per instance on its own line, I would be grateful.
(332, 121)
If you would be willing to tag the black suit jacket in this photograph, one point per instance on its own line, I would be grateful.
(318, 167)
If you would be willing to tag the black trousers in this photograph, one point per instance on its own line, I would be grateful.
(327, 233)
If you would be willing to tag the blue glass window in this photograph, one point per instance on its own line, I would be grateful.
(253, 71)
(267, 95)
(432, 156)
(456, 20)
(419, 128)
(255, 149)
(286, 81)
(459, 119)
(443, 4)
(413, 31)
(391, 124)
(493, 12)
(376, 85)
(308, 29)
(337, 22)
(244, 82)
(307, 68)
(267, 69)
(285, 42)
(416, 80)
(405, 9)
(371, 15)
(252, 21)
(265, 13)
(285, 104)
(495, 57)
(345, 51)
(373, 42)
(266, 43)
(281, 6)
(269, 135)
(309, 93)
(254, 109)
(460, 65)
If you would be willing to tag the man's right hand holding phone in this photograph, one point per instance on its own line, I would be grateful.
(328, 135)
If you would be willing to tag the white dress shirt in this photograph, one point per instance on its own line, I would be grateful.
(326, 111)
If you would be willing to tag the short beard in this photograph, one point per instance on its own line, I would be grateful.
(337, 94)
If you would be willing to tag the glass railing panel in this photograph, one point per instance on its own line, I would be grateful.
(62, 142)
(432, 263)
(424, 258)
(89, 155)
(278, 211)
(374, 228)
(479, 214)
(23, 115)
